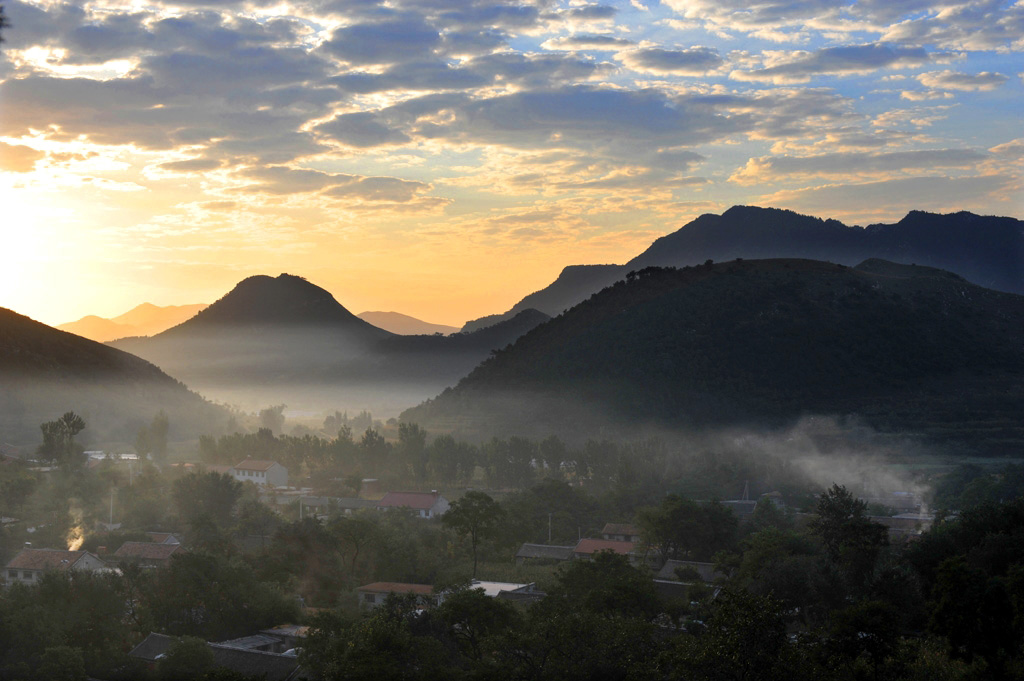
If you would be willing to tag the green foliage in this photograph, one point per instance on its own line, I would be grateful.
(59, 438)
(607, 585)
(187, 658)
(682, 529)
(475, 515)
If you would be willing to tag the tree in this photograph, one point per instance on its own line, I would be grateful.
(187, 658)
(412, 448)
(59, 437)
(476, 515)
(272, 418)
(852, 541)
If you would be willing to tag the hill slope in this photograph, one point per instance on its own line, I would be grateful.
(143, 320)
(45, 372)
(761, 342)
(403, 324)
(988, 251)
(284, 339)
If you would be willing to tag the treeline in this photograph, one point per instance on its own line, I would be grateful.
(832, 601)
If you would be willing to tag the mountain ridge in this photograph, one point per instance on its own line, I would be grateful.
(987, 250)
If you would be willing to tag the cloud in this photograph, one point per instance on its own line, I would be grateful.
(772, 168)
(584, 41)
(953, 80)
(888, 199)
(694, 61)
(385, 42)
(17, 158)
(849, 59)
(363, 129)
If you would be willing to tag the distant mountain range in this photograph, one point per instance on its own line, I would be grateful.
(403, 324)
(144, 320)
(284, 339)
(45, 372)
(761, 342)
(988, 251)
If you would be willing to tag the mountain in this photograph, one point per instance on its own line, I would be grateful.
(573, 284)
(143, 320)
(283, 339)
(399, 323)
(988, 251)
(761, 342)
(45, 372)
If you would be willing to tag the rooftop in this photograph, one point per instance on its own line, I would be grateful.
(147, 550)
(420, 501)
(255, 465)
(545, 551)
(45, 559)
(591, 546)
(397, 588)
(492, 589)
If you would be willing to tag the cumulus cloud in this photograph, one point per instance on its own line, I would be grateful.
(771, 168)
(888, 199)
(385, 42)
(848, 59)
(18, 158)
(954, 80)
(585, 41)
(693, 61)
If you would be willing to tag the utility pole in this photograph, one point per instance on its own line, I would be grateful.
(111, 505)
(549, 528)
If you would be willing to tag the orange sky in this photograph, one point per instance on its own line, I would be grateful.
(445, 159)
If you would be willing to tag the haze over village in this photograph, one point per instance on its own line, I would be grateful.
(511, 339)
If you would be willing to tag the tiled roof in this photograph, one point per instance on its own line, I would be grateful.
(545, 551)
(45, 559)
(419, 501)
(151, 647)
(620, 528)
(162, 538)
(143, 550)
(254, 465)
(398, 588)
(590, 546)
(707, 571)
(251, 642)
(254, 663)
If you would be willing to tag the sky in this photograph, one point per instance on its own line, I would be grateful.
(444, 158)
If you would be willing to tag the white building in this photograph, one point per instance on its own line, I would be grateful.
(423, 504)
(269, 473)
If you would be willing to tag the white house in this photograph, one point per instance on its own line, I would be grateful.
(30, 564)
(269, 473)
(424, 504)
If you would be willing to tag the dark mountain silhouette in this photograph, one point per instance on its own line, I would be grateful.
(762, 342)
(573, 284)
(988, 251)
(45, 372)
(283, 339)
(285, 300)
(403, 324)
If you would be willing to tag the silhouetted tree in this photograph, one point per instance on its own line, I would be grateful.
(476, 515)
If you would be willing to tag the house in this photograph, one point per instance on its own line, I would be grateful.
(705, 572)
(30, 564)
(147, 554)
(269, 473)
(244, 662)
(543, 553)
(506, 590)
(621, 532)
(424, 504)
(586, 548)
(163, 538)
(372, 595)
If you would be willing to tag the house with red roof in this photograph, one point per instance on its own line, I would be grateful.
(147, 554)
(30, 565)
(586, 548)
(423, 504)
(372, 595)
